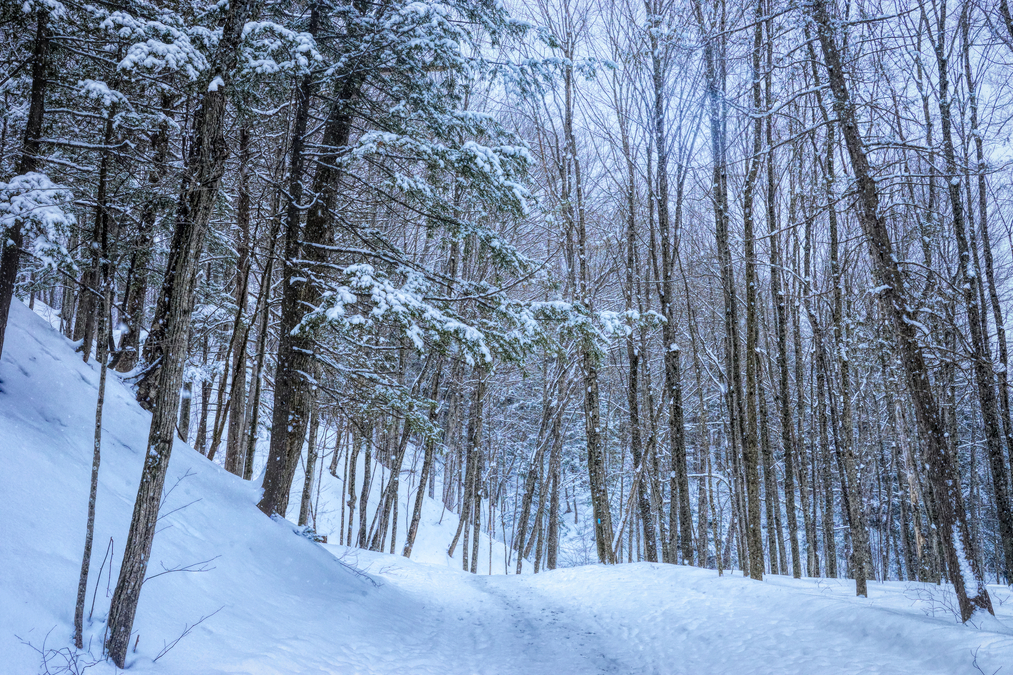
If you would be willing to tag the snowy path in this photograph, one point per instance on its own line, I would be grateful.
(647, 618)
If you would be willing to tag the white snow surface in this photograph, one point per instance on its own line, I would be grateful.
(287, 605)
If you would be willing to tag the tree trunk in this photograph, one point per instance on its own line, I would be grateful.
(555, 456)
(777, 292)
(305, 504)
(295, 350)
(10, 257)
(262, 313)
(235, 443)
(367, 461)
(204, 171)
(984, 377)
(129, 353)
(948, 507)
(427, 464)
(104, 329)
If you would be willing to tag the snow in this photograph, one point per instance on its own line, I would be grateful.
(38, 204)
(287, 605)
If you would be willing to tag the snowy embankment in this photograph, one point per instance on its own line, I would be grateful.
(278, 603)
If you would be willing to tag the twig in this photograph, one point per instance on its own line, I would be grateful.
(59, 661)
(186, 631)
(201, 566)
(98, 578)
(165, 494)
(974, 662)
(180, 508)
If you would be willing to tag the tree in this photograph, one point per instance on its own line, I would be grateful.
(950, 516)
(205, 166)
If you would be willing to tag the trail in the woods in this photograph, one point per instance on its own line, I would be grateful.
(650, 618)
(280, 604)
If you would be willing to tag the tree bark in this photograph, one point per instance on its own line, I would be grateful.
(305, 503)
(235, 445)
(301, 289)
(950, 517)
(984, 376)
(10, 257)
(427, 463)
(204, 171)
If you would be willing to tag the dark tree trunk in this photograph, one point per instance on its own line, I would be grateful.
(205, 167)
(305, 504)
(235, 444)
(948, 505)
(984, 377)
(262, 314)
(10, 257)
(101, 237)
(295, 350)
(750, 449)
(127, 357)
(427, 464)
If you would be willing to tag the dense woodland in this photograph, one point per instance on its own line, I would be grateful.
(726, 280)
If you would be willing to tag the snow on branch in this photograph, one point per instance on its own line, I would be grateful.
(39, 206)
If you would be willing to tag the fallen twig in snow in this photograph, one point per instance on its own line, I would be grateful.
(201, 566)
(167, 646)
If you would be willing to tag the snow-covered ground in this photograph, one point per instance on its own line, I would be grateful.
(278, 603)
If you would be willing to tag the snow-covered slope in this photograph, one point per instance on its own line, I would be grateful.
(286, 605)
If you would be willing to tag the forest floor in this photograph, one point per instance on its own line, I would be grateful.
(266, 600)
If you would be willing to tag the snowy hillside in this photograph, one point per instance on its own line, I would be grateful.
(275, 602)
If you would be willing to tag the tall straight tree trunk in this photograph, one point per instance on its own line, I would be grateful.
(235, 443)
(948, 507)
(654, 463)
(750, 449)
(205, 167)
(997, 313)
(262, 313)
(288, 417)
(306, 503)
(351, 464)
(734, 395)
(388, 500)
(984, 377)
(104, 329)
(861, 564)
(633, 359)
(137, 286)
(295, 350)
(555, 468)
(771, 498)
(367, 463)
(549, 413)
(680, 513)
(473, 450)
(575, 215)
(427, 463)
(10, 257)
(783, 398)
(778, 294)
(823, 460)
(476, 520)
